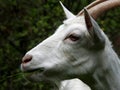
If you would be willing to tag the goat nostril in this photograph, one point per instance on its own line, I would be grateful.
(26, 59)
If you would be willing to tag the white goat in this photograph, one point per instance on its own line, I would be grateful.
(78, 49)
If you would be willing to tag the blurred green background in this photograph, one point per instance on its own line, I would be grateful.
(25, 23)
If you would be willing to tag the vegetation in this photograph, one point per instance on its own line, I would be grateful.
(23, 24)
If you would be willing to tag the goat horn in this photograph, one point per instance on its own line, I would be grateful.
(99, 9)
(90, 6)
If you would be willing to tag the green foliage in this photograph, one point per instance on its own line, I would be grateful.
(23, 24)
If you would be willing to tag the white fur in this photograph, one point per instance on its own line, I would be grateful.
(73, 84)
(67, 12)
(64, 59)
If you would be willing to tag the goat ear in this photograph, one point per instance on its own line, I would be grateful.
(67, 12)
(94, 31)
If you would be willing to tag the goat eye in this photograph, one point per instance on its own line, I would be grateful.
(74, 37)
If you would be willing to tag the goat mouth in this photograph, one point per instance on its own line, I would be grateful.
(33, 73)
(40, 70)
(36, 75)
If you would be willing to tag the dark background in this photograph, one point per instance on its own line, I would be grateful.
(25, 23)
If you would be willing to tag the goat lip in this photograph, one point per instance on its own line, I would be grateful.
(40, 70)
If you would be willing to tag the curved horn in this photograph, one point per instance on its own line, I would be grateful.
(99, 9)
(90, 6)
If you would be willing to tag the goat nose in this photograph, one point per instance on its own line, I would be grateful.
(26, 59)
